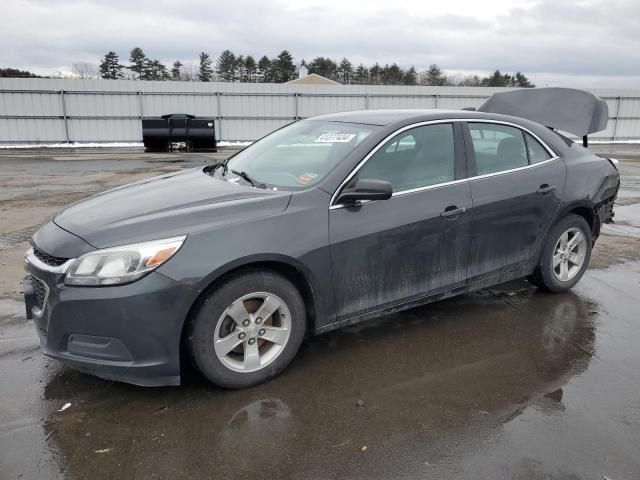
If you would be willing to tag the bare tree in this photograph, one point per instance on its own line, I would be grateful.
(189, 72)
(84, 70)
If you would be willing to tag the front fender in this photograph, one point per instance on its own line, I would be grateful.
(297, 238)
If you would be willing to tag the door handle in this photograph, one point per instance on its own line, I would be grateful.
(545, 188)
(452, 212)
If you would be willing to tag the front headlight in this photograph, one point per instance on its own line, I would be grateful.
(117, 265)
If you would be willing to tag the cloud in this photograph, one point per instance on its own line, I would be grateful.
(548, 39)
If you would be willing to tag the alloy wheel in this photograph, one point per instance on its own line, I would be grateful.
(252, 332)
(569, 254)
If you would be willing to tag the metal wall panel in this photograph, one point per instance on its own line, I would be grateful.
(154, 104)
(629, 107)
(258, 106)
(250, 129)
(457, 103)
(626, 129)
(100, 104)
(36, 110)
(31, 130)
(309, 106)
(112, 130)
(397, 101)
(29, 103)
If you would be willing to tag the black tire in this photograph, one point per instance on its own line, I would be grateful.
(544, 276)
(203, 324)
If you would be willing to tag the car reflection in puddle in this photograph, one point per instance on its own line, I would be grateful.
(432, 383)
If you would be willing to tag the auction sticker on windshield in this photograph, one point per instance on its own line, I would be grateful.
(335, 138)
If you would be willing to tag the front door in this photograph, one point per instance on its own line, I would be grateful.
(390, 251)
(516, 186)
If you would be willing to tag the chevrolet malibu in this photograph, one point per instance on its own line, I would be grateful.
(324, 223)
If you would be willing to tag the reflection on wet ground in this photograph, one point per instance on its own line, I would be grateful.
(504, 383)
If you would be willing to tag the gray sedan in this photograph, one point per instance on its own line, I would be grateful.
(326, 222)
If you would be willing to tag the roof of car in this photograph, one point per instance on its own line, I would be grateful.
(389, 116)
(393, 118)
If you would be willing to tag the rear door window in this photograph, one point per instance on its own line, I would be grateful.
(497, 147)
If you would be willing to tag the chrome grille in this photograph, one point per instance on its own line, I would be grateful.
(50, 260)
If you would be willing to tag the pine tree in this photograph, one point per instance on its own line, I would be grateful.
(345, 70)
(138, 61)
(495, 80)
(324, 67)
(283, 67)
(508, 80)
(264, 69)
(361, 74)
(226, 65)
(155, 70)
(250, 68)
(238, 71)
(110, 67)
(522, 81)
(176, 70)
(375, 72)
(409, 76)
(434, 76)
(391, 74)
(205, 71)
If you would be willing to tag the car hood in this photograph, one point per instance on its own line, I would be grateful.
(165, 206)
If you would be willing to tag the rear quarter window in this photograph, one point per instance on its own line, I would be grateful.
(537, 153)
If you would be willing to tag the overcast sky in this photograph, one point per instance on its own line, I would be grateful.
(585, 43)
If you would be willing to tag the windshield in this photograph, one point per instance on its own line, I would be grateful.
(298, 155)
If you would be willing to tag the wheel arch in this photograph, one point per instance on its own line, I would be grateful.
(584, 209)
(288, 267)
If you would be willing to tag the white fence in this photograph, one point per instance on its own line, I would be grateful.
(51, 110)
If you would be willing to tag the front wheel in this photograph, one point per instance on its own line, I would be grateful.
(248, 329)
(565, 255)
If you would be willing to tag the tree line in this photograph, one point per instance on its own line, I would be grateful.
(17, 73)
(230, 67)
(227, 68)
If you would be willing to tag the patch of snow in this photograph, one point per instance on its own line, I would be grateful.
(233, 144)
(30, 146)
(607, 142)
(72, 145)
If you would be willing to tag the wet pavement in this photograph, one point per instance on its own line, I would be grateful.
(508, 382)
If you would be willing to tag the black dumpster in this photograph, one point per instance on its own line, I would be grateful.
(161, 133)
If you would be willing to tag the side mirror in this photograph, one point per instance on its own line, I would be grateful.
(366, 189)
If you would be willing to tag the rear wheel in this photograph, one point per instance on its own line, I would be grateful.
(565, 255)
(247, 330)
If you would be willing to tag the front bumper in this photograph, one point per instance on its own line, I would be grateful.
(129, 333)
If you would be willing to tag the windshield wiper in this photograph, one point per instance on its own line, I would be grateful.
(245, 176)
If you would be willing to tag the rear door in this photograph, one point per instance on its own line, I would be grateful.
(516, 184)
(391, 251)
